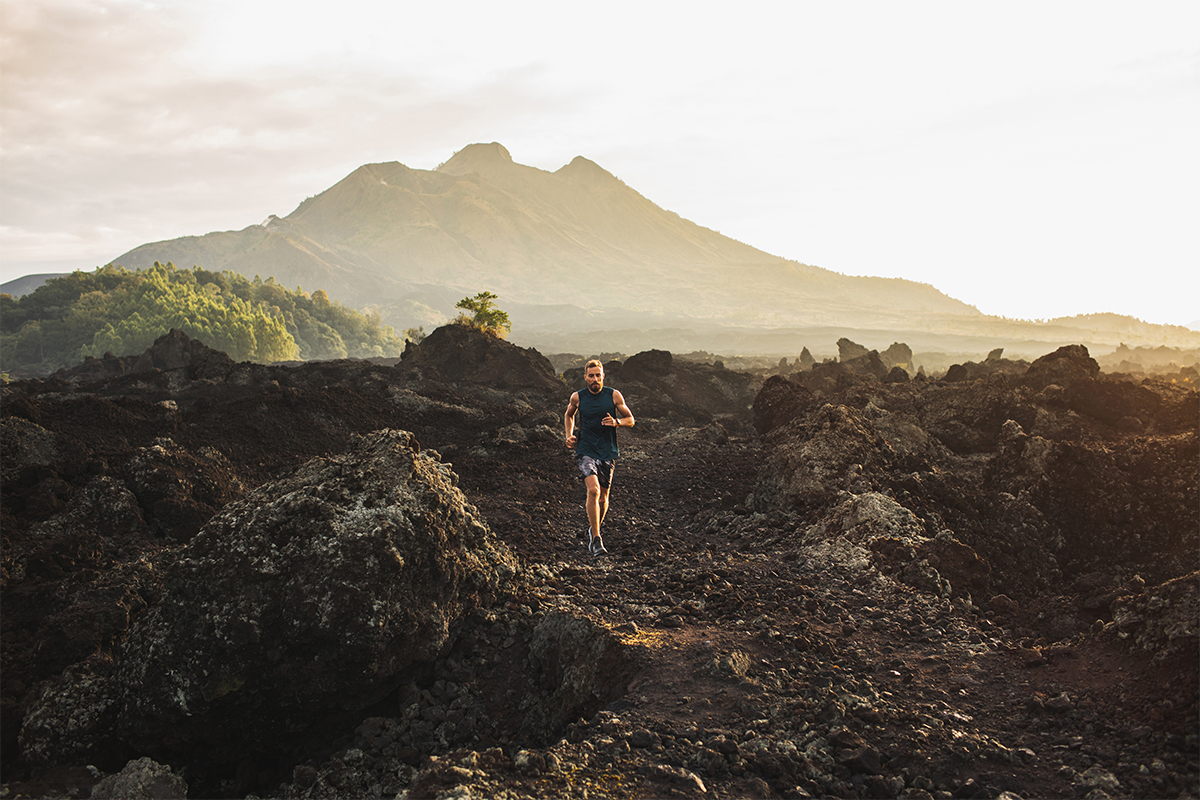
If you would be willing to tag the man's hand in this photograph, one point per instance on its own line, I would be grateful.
(571, 441)
(610, 421)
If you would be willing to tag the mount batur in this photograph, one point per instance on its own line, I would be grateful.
(576, 253)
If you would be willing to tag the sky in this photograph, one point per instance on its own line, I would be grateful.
(1033, 159)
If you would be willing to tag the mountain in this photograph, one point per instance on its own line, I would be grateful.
(19, 287)
(582, 262)
(406, 239)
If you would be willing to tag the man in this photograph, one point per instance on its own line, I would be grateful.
(601, 410)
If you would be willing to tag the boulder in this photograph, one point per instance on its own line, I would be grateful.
(898, 355)
(815, 457)
(309, 600)
(655, 363)
(848, 350)
(175, 350)
(1164, 620)
(142, 779)
(26, 444)
(778, 402)
(179, 491)
(1131, 503)
(462, 354)
(868, 364)
(584, 663)
(1062, 367)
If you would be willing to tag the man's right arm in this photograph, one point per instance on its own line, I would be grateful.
(569, 419)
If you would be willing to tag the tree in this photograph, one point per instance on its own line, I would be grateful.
(414, 335)
(485, 316)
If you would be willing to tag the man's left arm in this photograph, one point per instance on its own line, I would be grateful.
(624, 415)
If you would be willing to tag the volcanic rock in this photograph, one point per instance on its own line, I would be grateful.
(142, 779)
(1062, 367)
(1132, 501)
(310, 598)
(173, 350)
(463, 354)
(778, 402)
(898, 355)
(816, 456)
(848, 350)
(792, 614)
(582, 661)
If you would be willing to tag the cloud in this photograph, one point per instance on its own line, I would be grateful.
(105, 119)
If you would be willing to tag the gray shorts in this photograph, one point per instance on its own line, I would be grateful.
(603, 470)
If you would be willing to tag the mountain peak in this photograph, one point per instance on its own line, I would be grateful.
(477, 158)
(581, 167)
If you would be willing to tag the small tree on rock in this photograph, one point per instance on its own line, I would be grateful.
(484, 315)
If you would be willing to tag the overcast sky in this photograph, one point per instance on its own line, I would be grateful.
(1033, 159)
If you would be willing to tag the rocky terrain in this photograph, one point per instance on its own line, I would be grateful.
(347, 579)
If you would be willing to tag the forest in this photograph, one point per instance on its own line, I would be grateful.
(119, 311)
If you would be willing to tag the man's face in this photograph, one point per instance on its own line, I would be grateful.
(594, 377)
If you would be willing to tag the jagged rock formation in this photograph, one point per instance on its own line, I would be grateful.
(457, 354)
(266, 622)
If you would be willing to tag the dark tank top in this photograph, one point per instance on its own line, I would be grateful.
(596, 440)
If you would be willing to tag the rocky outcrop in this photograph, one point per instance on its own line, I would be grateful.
(142, 779)
(179, 490)
(816, 457)
(1074, 496)
(173, 350)
(309, 599)
(848, 350)
(464, 355)
(583, 662)
(1164, 620)
(1132, 502)
(778, 402)
(1062, 367)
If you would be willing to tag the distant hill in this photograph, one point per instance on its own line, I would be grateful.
(19, 287)
(405, 239)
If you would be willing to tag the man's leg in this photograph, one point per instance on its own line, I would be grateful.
(594, 513)
(602, 506)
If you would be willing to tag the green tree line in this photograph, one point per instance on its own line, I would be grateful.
(118, 311)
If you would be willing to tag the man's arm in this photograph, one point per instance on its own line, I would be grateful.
(624, 415)
(569, 419)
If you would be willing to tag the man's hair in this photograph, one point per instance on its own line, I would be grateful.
(595, 362)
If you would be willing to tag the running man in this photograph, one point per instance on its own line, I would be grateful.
(601, 411)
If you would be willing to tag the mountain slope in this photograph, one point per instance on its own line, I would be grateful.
(577, 236)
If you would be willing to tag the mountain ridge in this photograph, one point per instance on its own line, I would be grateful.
(577, 236)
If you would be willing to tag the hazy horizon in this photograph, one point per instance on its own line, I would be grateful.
(1033, 160)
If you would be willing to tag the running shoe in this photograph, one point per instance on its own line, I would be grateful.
(598, 548)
